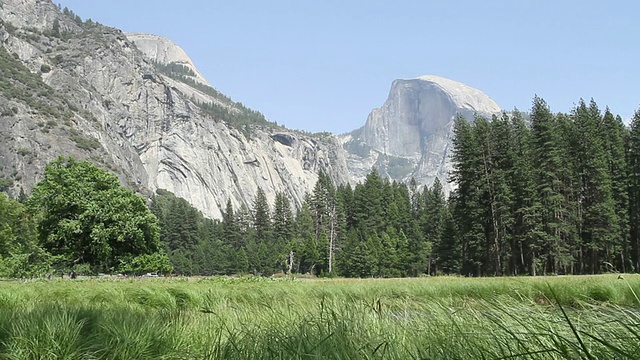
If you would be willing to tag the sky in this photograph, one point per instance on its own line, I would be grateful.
(324, 65)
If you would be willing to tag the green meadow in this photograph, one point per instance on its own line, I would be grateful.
(574, 317)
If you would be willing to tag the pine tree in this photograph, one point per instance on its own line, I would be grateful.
(567, 250)
(615, 134)
(261, 216)
(305, 244)
(633, 161)
(368, 208)
(282, 218)
(231, 229)
(525, 207)
(433, 224)
(547, 165)
(328, 215)
(469, 209)
(598, 225)
(449, 249)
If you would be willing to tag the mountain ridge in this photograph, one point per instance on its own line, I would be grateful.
(127, 116)
(164, 51)
(136, 104)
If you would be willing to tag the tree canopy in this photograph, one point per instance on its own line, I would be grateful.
(85, 216)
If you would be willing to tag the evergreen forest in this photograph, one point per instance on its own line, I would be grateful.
(535, 194)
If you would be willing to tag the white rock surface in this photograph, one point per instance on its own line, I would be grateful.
(164, 51)
(149, 131)
(414, 127)
(153, 136)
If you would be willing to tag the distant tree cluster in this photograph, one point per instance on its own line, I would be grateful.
(378, 228)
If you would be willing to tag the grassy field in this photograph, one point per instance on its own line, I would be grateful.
(588, 317)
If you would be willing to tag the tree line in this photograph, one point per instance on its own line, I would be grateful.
(554, 194)
(535, 194)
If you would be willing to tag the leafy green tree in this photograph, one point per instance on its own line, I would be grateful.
(20, 255)
(87, 217)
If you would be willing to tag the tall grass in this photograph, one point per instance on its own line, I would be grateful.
(595, 317)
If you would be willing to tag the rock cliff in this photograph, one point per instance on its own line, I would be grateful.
(410, 135)
(79, 88)
(137, 105)
(164, 51)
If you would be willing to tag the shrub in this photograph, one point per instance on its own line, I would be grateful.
(85, 143)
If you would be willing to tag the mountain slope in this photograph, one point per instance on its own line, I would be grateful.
(154, 128)
(164, 51)
(410, 135)
(136, 104)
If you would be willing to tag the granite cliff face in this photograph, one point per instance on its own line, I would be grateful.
(410, 135)
(137, 105)
(93, 92)
(164, 51)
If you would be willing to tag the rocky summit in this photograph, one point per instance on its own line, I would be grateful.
(136, 105)
(410, 135)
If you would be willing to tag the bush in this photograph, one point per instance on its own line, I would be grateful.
(147, 263)
(85, 143)
(5, 183)
(44, 68)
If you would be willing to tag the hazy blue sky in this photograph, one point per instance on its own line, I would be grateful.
(323, 65)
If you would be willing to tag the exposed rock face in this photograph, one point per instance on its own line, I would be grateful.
(32, 13)
(164, 51)
(112, 106)
(95, 93)
(410, 135)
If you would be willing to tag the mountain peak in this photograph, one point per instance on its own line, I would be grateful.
(164, 51)
(464, 96)
(410, 135)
